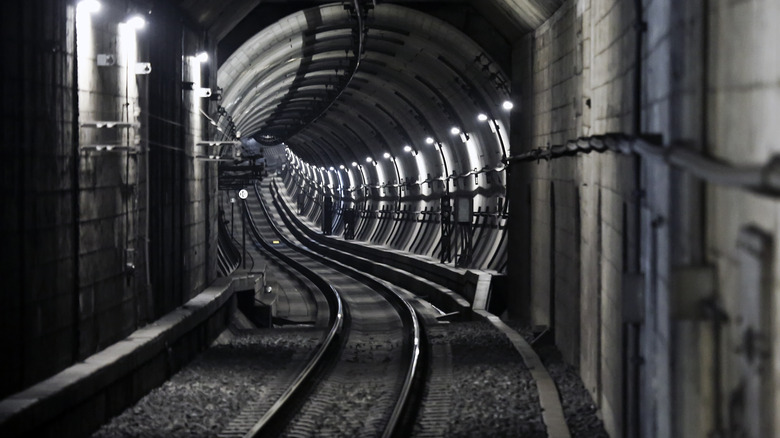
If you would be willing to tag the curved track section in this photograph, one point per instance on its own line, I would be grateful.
(368, 386)
(275, 418)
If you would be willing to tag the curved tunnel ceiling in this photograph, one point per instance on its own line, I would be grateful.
(509, 18)
(418, 77)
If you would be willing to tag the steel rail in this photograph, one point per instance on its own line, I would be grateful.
(273, 418)
(404, 406)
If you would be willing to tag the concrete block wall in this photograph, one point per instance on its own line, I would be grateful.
(709, 76)
(75, 218)
(561, 70)
(583, 208)
(109, 228)
(38, 225)
(612, 60)
(743, 99)
(611, 202)
(577, 253)
(711, 83)
(201, 199)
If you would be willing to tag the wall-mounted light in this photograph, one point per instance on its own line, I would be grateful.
(464, 137)
(106, 59)
(387, 155)
(342, 167)
(137, 22)
(369, 160)
(354, 164)
(202, 57)
(332, 169)
(407, 148)
(508, 105)
(430, 140)
(89, 6)
(482, 117)
(144, 68)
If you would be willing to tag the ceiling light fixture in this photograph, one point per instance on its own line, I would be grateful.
(482, 117)
(137, 22)
(455, 130)
(90, 6)
(508, 105)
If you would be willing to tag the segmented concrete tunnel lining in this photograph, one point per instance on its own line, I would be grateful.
(418, 78)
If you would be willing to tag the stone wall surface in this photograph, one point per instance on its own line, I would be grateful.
(594, 224)
(75, 233)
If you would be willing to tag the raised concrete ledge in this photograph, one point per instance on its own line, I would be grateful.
(80, 398)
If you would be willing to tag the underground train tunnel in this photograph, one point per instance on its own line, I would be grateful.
(397, 218)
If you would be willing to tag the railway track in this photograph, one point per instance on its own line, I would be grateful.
(365, 376)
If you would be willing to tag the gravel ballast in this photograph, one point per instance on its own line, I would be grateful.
(484, 389)
(578, 406)
(491, 391)
(202, 398)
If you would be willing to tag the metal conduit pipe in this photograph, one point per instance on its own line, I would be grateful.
(762, 179)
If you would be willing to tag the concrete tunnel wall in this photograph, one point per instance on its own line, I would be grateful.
(406, 73)
(619, 252)
(77, 272)
(396, 60)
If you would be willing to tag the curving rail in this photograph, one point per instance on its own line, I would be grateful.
(275, 417)
(414, 378)
(400, 418)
